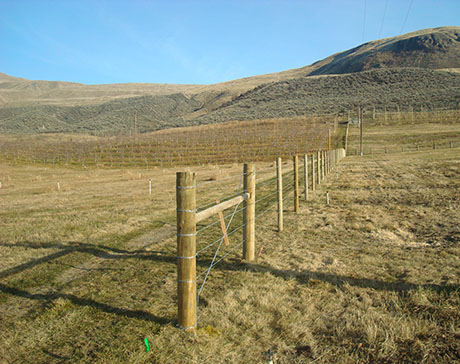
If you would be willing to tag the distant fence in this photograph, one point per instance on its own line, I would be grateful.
(403, 148)
(315, 168)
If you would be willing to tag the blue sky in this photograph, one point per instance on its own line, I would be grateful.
(195, 42)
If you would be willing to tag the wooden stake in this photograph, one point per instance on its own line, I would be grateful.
(150, 186)
(329, 139)
(58, 186)
(249, 212)
(296, 182)
(186, 249)
(279, 178)
(305, 176)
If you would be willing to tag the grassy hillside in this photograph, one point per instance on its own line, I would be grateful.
(390, 88)
(404, 88)
(403, 71)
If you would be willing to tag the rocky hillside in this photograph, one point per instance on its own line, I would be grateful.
(418, 69)
(437, 48)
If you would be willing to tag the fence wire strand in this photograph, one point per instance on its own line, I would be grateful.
(270, 180)
(265, 197)
(220, 179)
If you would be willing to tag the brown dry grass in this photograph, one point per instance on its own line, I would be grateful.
(371, 278)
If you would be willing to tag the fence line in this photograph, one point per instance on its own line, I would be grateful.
(188, 217)
(403, 148)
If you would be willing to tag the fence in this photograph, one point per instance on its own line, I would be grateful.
(403, 148)
(316, 167)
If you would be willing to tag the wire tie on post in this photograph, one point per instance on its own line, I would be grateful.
(186, 187)
(180, 235)
(180, 210)
(181, 281)
(179, 257)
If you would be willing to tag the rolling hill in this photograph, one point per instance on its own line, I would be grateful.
(418, 69)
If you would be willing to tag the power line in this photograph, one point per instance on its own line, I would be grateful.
(383, 19)
(364, 20)
(407, 15)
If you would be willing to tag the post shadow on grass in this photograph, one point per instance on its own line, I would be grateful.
(306, 276)
(99, 251)
(85, 302)
(55, 356)
(232, 264)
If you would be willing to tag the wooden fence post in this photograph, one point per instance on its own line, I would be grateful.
(279, 178)
(318, 168)
(249, 212)
(346, 136)
(295, 164)
(186, 249)
(305, 176)
(323, 164)
(313, 177)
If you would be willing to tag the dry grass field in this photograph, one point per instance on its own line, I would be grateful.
(89, 271)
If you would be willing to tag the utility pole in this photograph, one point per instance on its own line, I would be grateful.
(135, 124)
(360, 118)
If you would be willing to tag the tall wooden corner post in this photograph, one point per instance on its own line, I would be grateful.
(186, 249)
(249, 212)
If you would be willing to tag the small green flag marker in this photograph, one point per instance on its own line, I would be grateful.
(147, 347)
